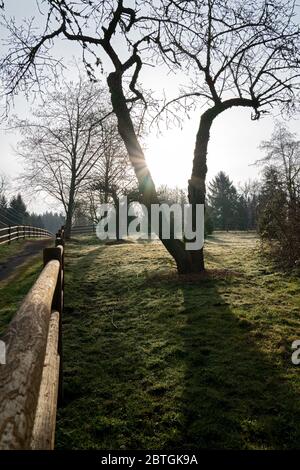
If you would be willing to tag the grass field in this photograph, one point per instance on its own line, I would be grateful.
(15, 288)
(7, 250)
(152, 361)
(24, 260)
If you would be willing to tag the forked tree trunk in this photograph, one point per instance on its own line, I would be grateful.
(145, 182)
(187, 261)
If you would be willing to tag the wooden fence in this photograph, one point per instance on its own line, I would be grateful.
(83, 230)
(17, 232)
(31, 378)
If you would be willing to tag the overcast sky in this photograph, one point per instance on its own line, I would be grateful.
(233, 147)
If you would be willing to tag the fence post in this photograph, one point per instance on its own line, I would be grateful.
(58, 302)
(9, 232)
(24, 233)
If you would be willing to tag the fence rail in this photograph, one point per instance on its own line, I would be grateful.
(83, 229)
(31, 378)
(18, 232)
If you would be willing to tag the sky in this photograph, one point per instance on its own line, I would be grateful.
(234, 138)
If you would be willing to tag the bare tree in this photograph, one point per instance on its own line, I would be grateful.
(3, 199)
(64, 142)
(3, 185)
(113, 176)
(249, 194)
(283, 152)
(94, 25)
(237, 53)
(170, 195)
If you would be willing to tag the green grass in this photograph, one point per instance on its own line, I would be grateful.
(152, 361)
(16, 286)
(7, 250)
(13, 291)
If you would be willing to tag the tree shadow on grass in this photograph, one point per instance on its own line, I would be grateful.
(164, 363)
(105, 406)
(236, 396)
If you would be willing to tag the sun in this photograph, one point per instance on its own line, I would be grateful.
(169, 158)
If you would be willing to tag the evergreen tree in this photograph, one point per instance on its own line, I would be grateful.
(208, 221)
(241, 213)
(3, 210)
(34, 220)
(17, 211)
(272, 206)
(223, 200)
(3, 202)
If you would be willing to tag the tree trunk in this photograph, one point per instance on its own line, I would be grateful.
(117, 208)
(146, 185)
(197, 181)
(70, 210)
(196, 188)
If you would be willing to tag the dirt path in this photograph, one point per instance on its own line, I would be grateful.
(29, 250)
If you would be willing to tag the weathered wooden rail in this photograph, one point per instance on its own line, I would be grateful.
(18, 232)
(31, 378)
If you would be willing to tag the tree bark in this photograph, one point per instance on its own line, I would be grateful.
(117, 207)
(196, 187)
(187, 261)
(145, 182)
(70, 210)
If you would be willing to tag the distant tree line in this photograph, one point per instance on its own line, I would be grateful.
(14, 211)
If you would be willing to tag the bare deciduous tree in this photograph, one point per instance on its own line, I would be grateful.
(237, 54)
(64, 142)
(283, 152)
(113, 176)
(3, 185)
(3, 199)
(94, 25)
